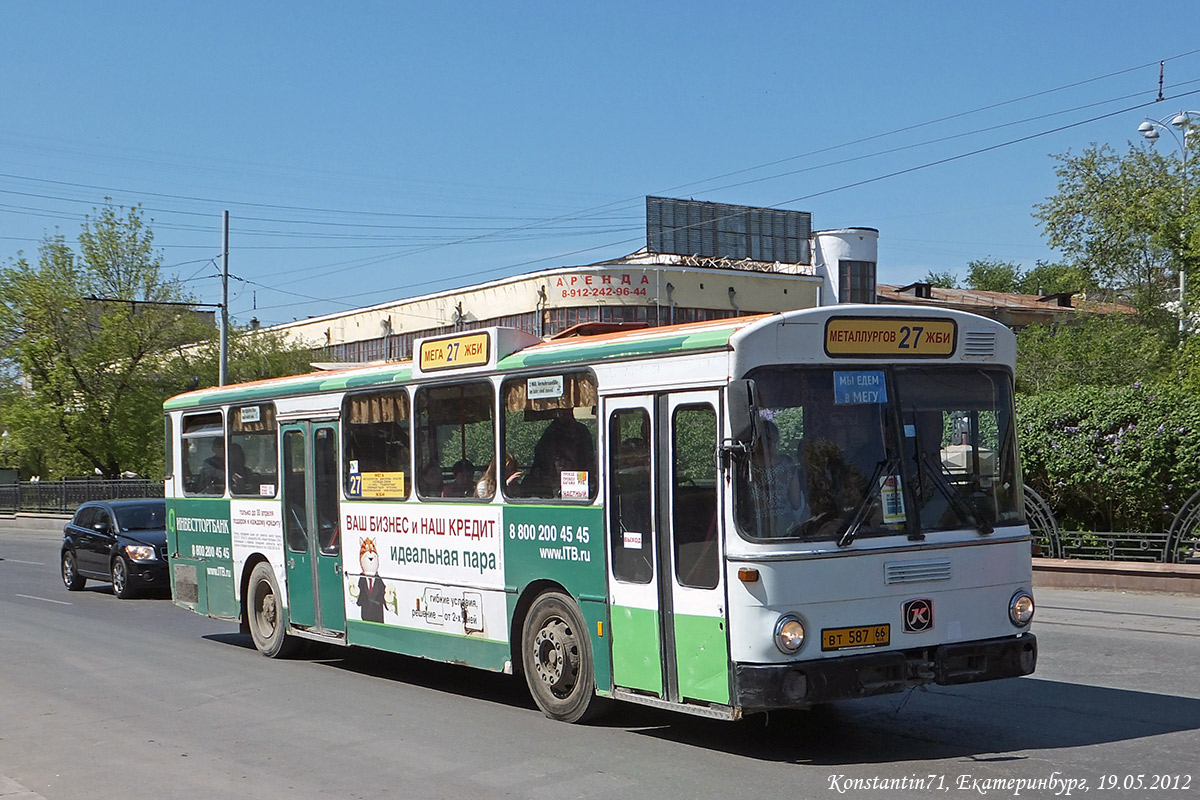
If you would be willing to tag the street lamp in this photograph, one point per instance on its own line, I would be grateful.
(1183, 126)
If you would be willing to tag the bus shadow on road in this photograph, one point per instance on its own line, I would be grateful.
(995, 721)
(436, 676)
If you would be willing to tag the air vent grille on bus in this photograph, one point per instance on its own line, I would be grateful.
(979, 344)
(916, 571)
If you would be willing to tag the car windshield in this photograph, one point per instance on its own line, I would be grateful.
(142, 517)
(845, 453)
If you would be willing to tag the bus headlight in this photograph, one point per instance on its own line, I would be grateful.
(789, 634)
(1020, 608)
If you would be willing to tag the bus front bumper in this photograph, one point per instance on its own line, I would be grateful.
(805, 683)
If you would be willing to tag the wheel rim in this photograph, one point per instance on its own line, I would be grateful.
(266, 610)
(68, 569)
(119, 576)
(556, 657)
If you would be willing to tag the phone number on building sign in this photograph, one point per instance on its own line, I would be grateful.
(605, 291)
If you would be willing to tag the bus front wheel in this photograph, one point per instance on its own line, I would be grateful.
(264, 608)
(557, 658)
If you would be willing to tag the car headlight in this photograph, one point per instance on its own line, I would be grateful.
(140, 552)
(789, 634)
(1020, 608)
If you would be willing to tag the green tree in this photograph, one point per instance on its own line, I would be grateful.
(1122, 221)
(1046, 279)
(993, 275)
(91, 344)
(1102, 350)
(944, 280)
(90, 370)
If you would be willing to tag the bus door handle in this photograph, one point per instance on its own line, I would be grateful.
(337, 569)
(291, 563)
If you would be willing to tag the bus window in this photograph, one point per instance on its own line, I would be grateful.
(959, 442)
(253, 451)
(455, 438)
(550, 430)
(169, 433)
(825, 460)
(376, 462)
(295, 516)
(203, 444)
(630, 507)
(694, 497)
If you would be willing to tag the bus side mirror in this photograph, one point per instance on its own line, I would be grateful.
(743, 413)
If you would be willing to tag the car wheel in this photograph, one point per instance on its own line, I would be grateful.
(557, 658)
(70, 572)
(120, 578)
(265, 613)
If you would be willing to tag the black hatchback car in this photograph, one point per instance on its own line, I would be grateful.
(119, 541)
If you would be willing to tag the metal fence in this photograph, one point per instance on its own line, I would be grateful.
(1179, 544)
(63, 497)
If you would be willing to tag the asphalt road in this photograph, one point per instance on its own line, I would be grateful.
(105, 698)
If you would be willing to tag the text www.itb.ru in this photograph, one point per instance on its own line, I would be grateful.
(565, 553)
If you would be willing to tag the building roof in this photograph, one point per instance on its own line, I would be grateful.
(1014, 310)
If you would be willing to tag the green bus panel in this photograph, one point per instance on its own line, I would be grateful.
(702, 658)
(563, 544)
(469, 650)
(198, 534)
(637, 658)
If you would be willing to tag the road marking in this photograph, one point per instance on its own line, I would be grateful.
(31, 563)
(45, 599)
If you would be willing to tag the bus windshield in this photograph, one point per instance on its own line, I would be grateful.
(847, 453)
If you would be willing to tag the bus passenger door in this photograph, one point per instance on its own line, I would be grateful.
(666, 588)
(636, 619)
(694, 549)
(310, 485)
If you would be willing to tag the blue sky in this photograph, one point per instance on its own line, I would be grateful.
(371, 151)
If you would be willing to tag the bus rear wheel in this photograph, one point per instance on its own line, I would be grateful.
(557, 658)
(264, 610)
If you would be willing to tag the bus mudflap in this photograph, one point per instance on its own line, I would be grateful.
(806, 683)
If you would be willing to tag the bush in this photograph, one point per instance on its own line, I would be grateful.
(1112, 458)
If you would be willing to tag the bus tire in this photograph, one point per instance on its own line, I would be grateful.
(556, 656)
(265, 614)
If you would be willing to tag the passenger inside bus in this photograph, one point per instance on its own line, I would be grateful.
(509, 472)
(781, 496)
(462, 480)
(241, 479)
(565, 446)
(212, 471)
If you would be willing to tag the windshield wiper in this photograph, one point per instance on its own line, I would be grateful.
(969, 514)
(846, 536)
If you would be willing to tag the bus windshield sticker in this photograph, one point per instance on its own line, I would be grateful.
(383, 484)
(250, 414)
(892, 497)
(631, 540)
(574, 485)
(545, 388)
(859, 386)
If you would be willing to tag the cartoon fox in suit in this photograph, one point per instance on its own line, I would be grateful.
(370, 585)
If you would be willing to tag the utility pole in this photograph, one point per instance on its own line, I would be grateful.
(223, 372)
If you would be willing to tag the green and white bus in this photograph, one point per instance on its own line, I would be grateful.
(719, 518)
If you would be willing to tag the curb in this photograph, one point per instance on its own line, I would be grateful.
(1129, 576)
